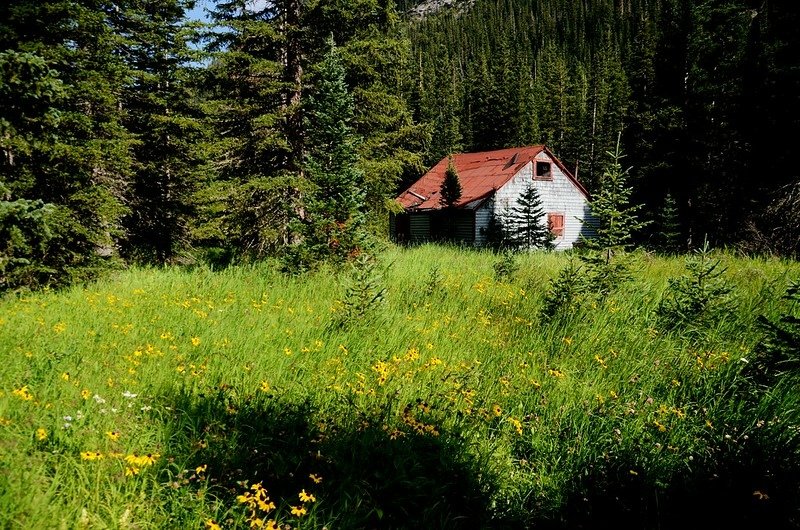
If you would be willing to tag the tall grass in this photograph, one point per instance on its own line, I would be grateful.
(453, 406)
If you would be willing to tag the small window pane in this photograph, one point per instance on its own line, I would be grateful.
(543, 170)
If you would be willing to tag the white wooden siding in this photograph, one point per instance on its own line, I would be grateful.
(420, 227)
(482, 217)
(558, 195)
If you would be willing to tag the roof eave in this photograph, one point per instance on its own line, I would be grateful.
(567, 172)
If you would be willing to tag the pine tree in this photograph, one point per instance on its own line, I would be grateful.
(450, 190)
(616, 219)
(163, 112)
(669, 228)
(334, 206)
(375, 50)
(615, 222)
(71, 149)
(27, 229)
(253, 110)
(526, 228)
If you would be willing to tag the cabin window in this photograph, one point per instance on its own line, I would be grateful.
(543, 171)
(555, 221)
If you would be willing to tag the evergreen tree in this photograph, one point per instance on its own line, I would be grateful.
(669, 228)
(450, 190)
(446, 135)
(164, 115)
(699, 299)
(526, 227)
(526, 118)
(26, 233)
(376, 54)
(332, 227)
(616, 219)
(253, 110)
(64, 142)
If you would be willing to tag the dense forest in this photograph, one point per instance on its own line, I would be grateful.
(130, 133)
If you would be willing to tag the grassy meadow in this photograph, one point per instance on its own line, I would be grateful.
(238, 398)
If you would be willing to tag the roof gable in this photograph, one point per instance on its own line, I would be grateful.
(481, 174)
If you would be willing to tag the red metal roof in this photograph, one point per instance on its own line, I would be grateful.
(480, 175)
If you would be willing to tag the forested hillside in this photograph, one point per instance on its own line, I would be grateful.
(704, 92)
(129, 133)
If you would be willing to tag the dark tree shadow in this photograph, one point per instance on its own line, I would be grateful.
(372, 477)
(752, 490)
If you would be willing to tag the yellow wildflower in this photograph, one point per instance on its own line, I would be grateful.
(201, 469)
(131, 471)
(265, 386)
(316, 478)
(195, 341)
(299, 511)
(23, 393)
(496, 410)
(266, 505)
(85, 394)
(306, 497)
(60, 327)
(140, 461)
(113, 435)
(91, 455)
(212, 525)
(245, 499)
(600, 361)
(41, 434)
(65, 376)
(272, 525)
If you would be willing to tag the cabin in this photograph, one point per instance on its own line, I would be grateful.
(491, 184)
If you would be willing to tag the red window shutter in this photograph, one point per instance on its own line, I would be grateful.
(556, 223)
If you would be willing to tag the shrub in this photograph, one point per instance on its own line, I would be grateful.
(26, 230)
(505, 266)
(364, 291)
(699, 298)
(566, 294)
(778, 354)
